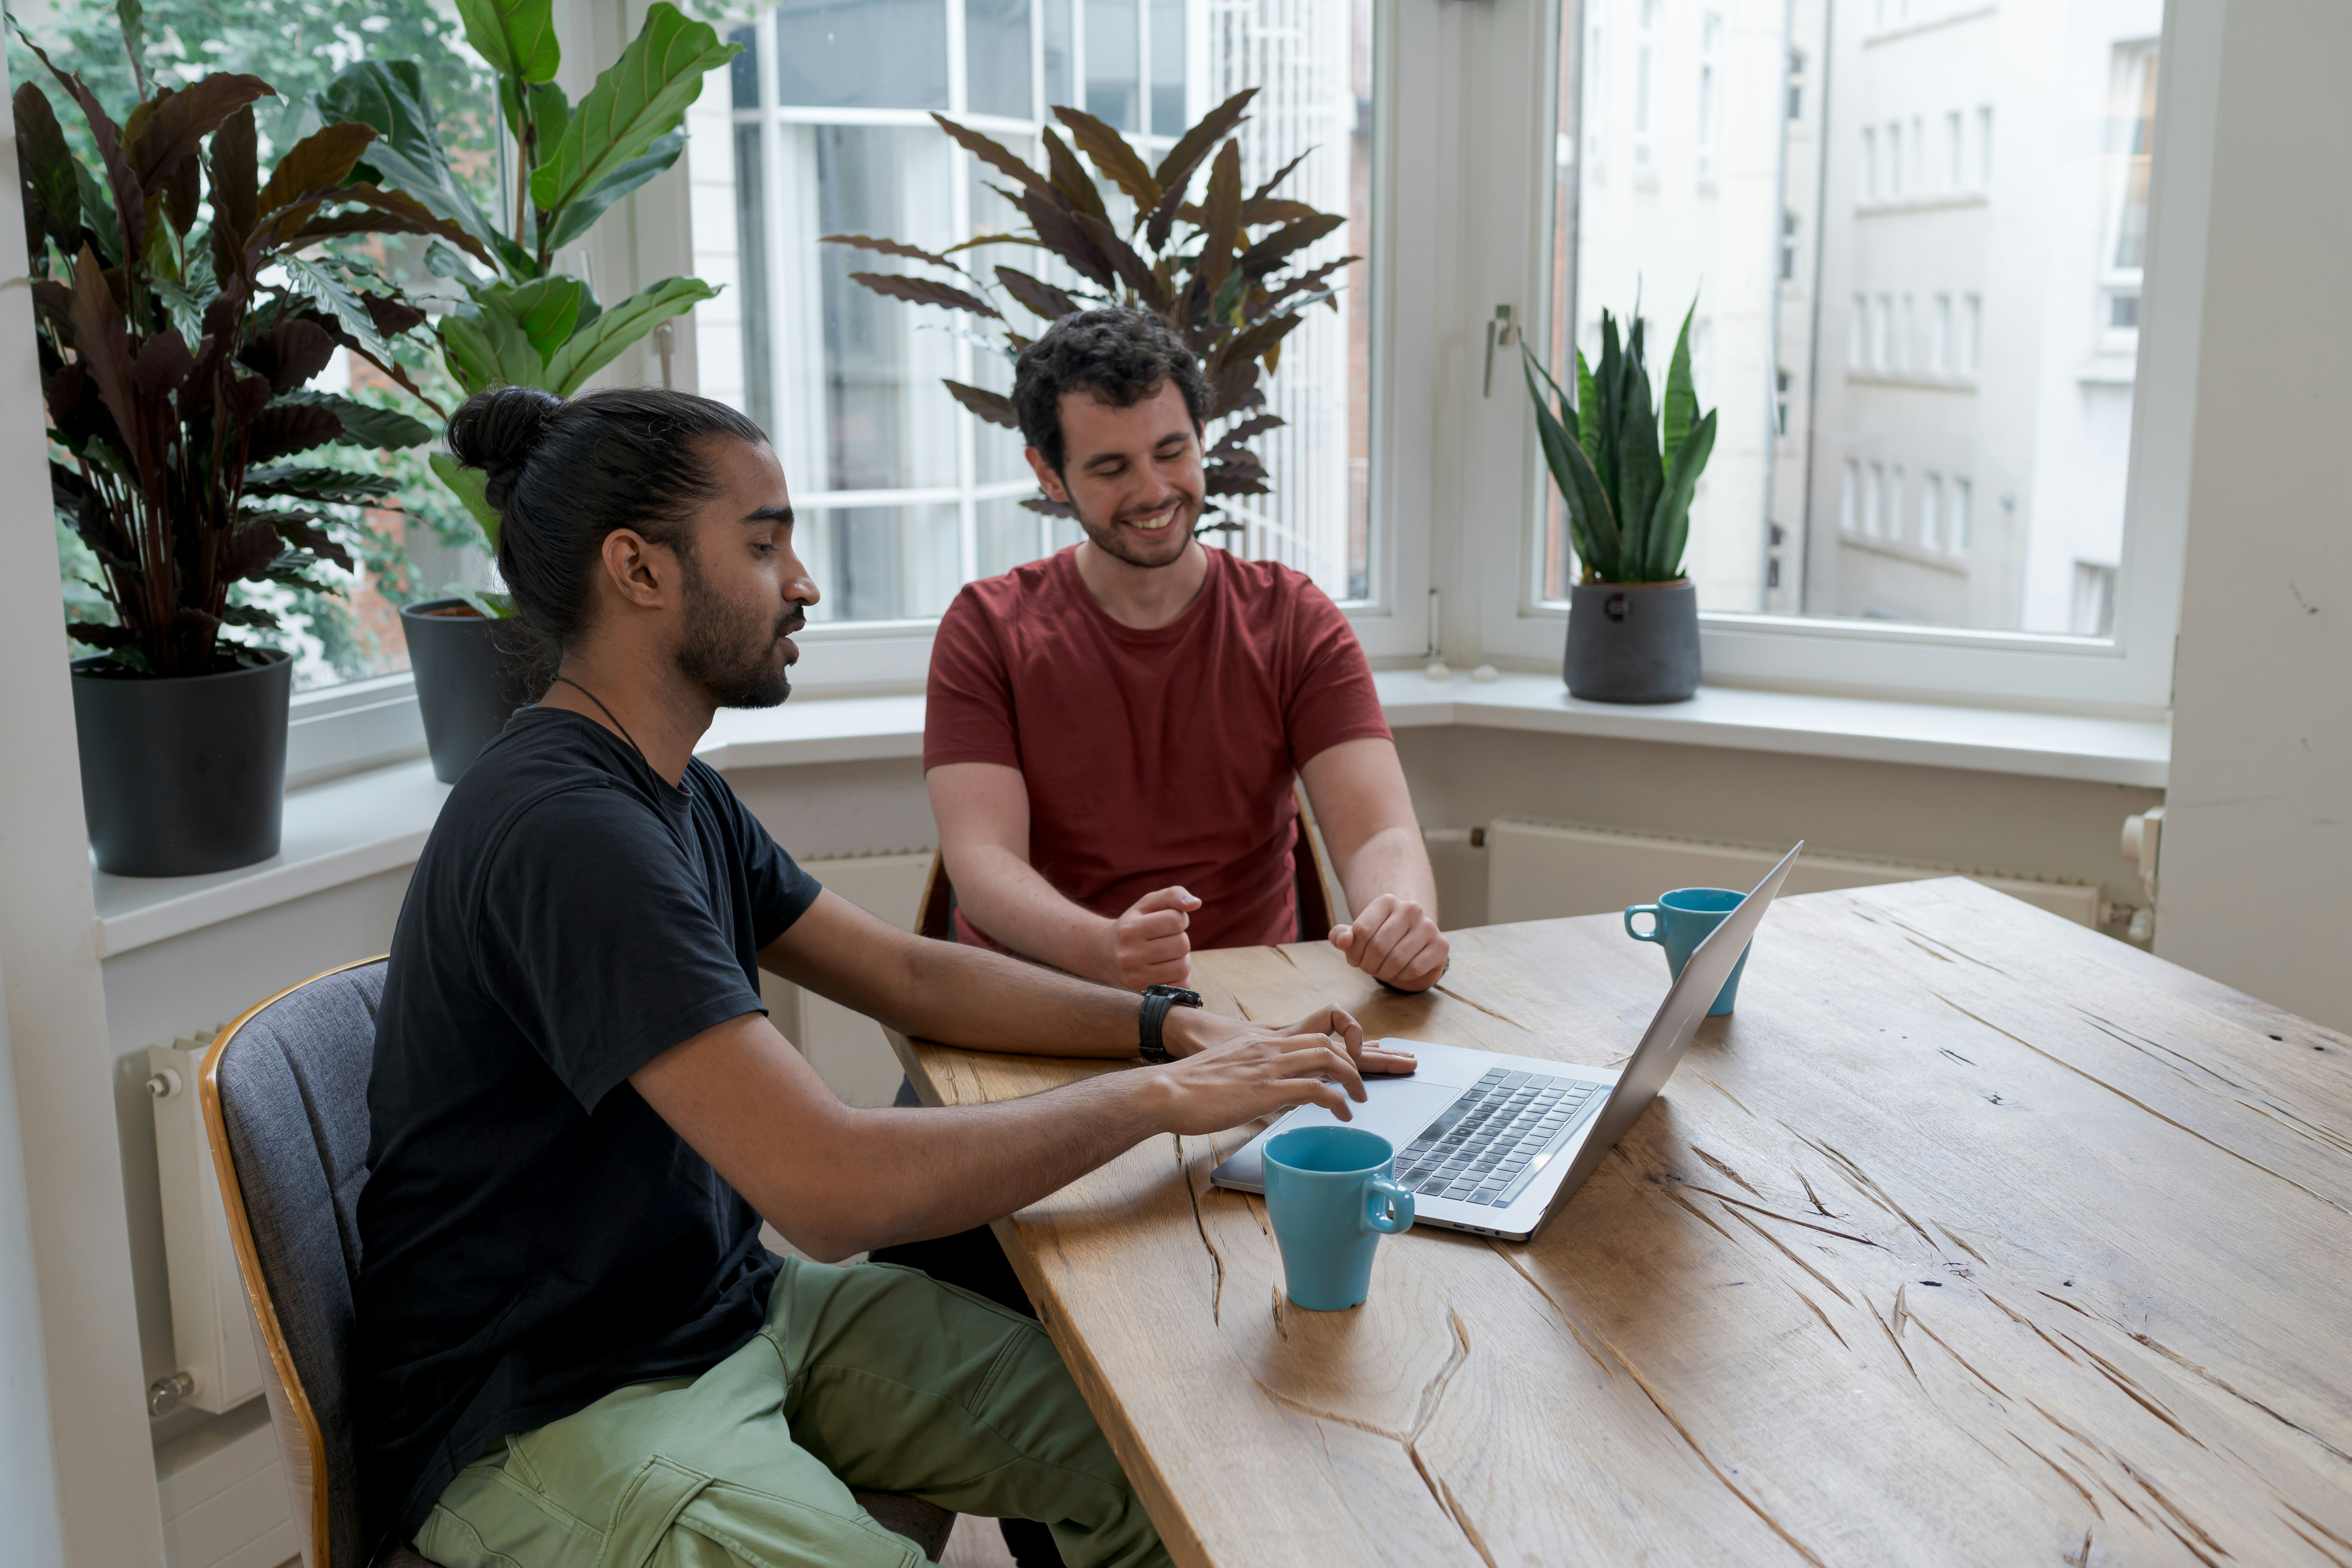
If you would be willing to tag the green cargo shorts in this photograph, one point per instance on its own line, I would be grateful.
(870, 1376)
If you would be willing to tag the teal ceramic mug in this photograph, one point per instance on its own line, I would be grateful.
(1680, 921)
(1330, 1193)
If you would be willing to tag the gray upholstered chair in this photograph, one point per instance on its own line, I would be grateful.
(283, 1090)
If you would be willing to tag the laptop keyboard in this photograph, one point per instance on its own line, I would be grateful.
(1487, 1146)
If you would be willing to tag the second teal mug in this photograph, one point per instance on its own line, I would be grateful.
(1331, 1196)
(1680, 921)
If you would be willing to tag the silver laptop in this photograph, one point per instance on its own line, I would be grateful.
(1493, 1144)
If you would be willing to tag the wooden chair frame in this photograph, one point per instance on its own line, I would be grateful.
(248, 1263)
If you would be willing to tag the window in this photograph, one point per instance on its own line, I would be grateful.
(903, 496)
(1858, 449)
(1645, 54)
(1709, 46)
(2131, 137)
(1796, 110)
(1596, 105)
(2093, 611)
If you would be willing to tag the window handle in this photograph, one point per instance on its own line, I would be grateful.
(1501, 333)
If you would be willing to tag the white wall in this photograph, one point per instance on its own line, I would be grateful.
(2257, 856)
(28, 1475)
(96, 1416)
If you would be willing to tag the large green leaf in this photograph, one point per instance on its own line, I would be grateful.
(581, 215)
(1681, 410)
(1588, 411)
(470, 486)
(338, 300)
(365, 424)
(408, 154)
(488, 348)
(516, 36)
(1598, 540)
(547, 308)
(1640, 477)
(597, 345)
(637, 103)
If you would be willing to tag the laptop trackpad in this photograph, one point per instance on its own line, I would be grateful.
(1396, 1107)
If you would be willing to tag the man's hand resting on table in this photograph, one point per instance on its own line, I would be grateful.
(1148, 944)
(1396, 941)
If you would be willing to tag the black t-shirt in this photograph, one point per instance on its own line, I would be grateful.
(532, 1235)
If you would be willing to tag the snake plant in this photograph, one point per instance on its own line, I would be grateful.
(1627, 472)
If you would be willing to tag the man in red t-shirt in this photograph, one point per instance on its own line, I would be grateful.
(1113, 731)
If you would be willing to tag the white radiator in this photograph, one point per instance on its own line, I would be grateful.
(846, 1049)
(212, 1323)
(1542, 871)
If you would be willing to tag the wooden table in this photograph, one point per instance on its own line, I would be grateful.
(1974, 1236)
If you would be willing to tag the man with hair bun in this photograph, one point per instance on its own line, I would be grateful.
(571, 1348)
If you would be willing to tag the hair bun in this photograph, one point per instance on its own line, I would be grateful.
(496, 431)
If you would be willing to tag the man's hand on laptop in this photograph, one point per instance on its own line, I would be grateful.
(1394, 941)
(1148, 944)
(1230, 1070)
(1192, 1031)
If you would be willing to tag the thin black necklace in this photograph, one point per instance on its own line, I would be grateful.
(616, 718)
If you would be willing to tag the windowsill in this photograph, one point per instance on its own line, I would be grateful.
(369, 823)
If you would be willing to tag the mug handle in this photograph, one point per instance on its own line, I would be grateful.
(1388, 1207)
(1657, 931)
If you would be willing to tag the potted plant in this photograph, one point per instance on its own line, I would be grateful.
(1220, 272)
(1626, 474)
(521, 322)
(180, 307)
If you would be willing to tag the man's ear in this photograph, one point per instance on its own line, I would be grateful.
(637, 569)
(1047, 479)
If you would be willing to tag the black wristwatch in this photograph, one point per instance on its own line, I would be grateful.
(1157, 1000)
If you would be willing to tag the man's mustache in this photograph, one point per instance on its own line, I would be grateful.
(787, 624)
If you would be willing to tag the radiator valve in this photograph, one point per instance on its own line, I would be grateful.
(164, 1394)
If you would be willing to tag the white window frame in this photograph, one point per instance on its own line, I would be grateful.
(2127, 673)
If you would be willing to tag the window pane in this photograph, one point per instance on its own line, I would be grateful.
(907, 495)
(1969, 321)
(866, 54)
(996, 55)
(1113, 53)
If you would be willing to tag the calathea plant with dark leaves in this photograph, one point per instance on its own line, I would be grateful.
(181, 304)
(1225, 272)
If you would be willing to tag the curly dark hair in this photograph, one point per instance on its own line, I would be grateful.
(1123, 356)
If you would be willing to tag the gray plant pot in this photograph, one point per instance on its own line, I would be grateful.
(182, 775)
(1633, 642)
(471, 673)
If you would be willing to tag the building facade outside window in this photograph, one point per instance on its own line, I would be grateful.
(2001, 382)
(825, 128)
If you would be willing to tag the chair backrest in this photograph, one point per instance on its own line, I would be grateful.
(1319, 908)
(283, 1090)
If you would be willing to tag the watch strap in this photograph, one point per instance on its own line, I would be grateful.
(1156, 999)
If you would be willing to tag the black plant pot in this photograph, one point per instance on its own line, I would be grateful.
(1633, 642)
(471, 672)
(182, 774)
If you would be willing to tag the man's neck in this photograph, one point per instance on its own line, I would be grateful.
(652, 706)
(1144, 598)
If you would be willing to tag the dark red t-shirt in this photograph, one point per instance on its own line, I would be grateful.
(1153, 758)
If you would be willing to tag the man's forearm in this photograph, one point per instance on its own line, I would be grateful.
(1391, 860)
(907, 1175)
(1006, 897)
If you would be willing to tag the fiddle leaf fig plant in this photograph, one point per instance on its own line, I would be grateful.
(1625, 469)
(181, 301)
(521, 321)
(1228, 272)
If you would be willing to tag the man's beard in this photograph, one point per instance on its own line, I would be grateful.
(1113, 540)
(731, 653)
